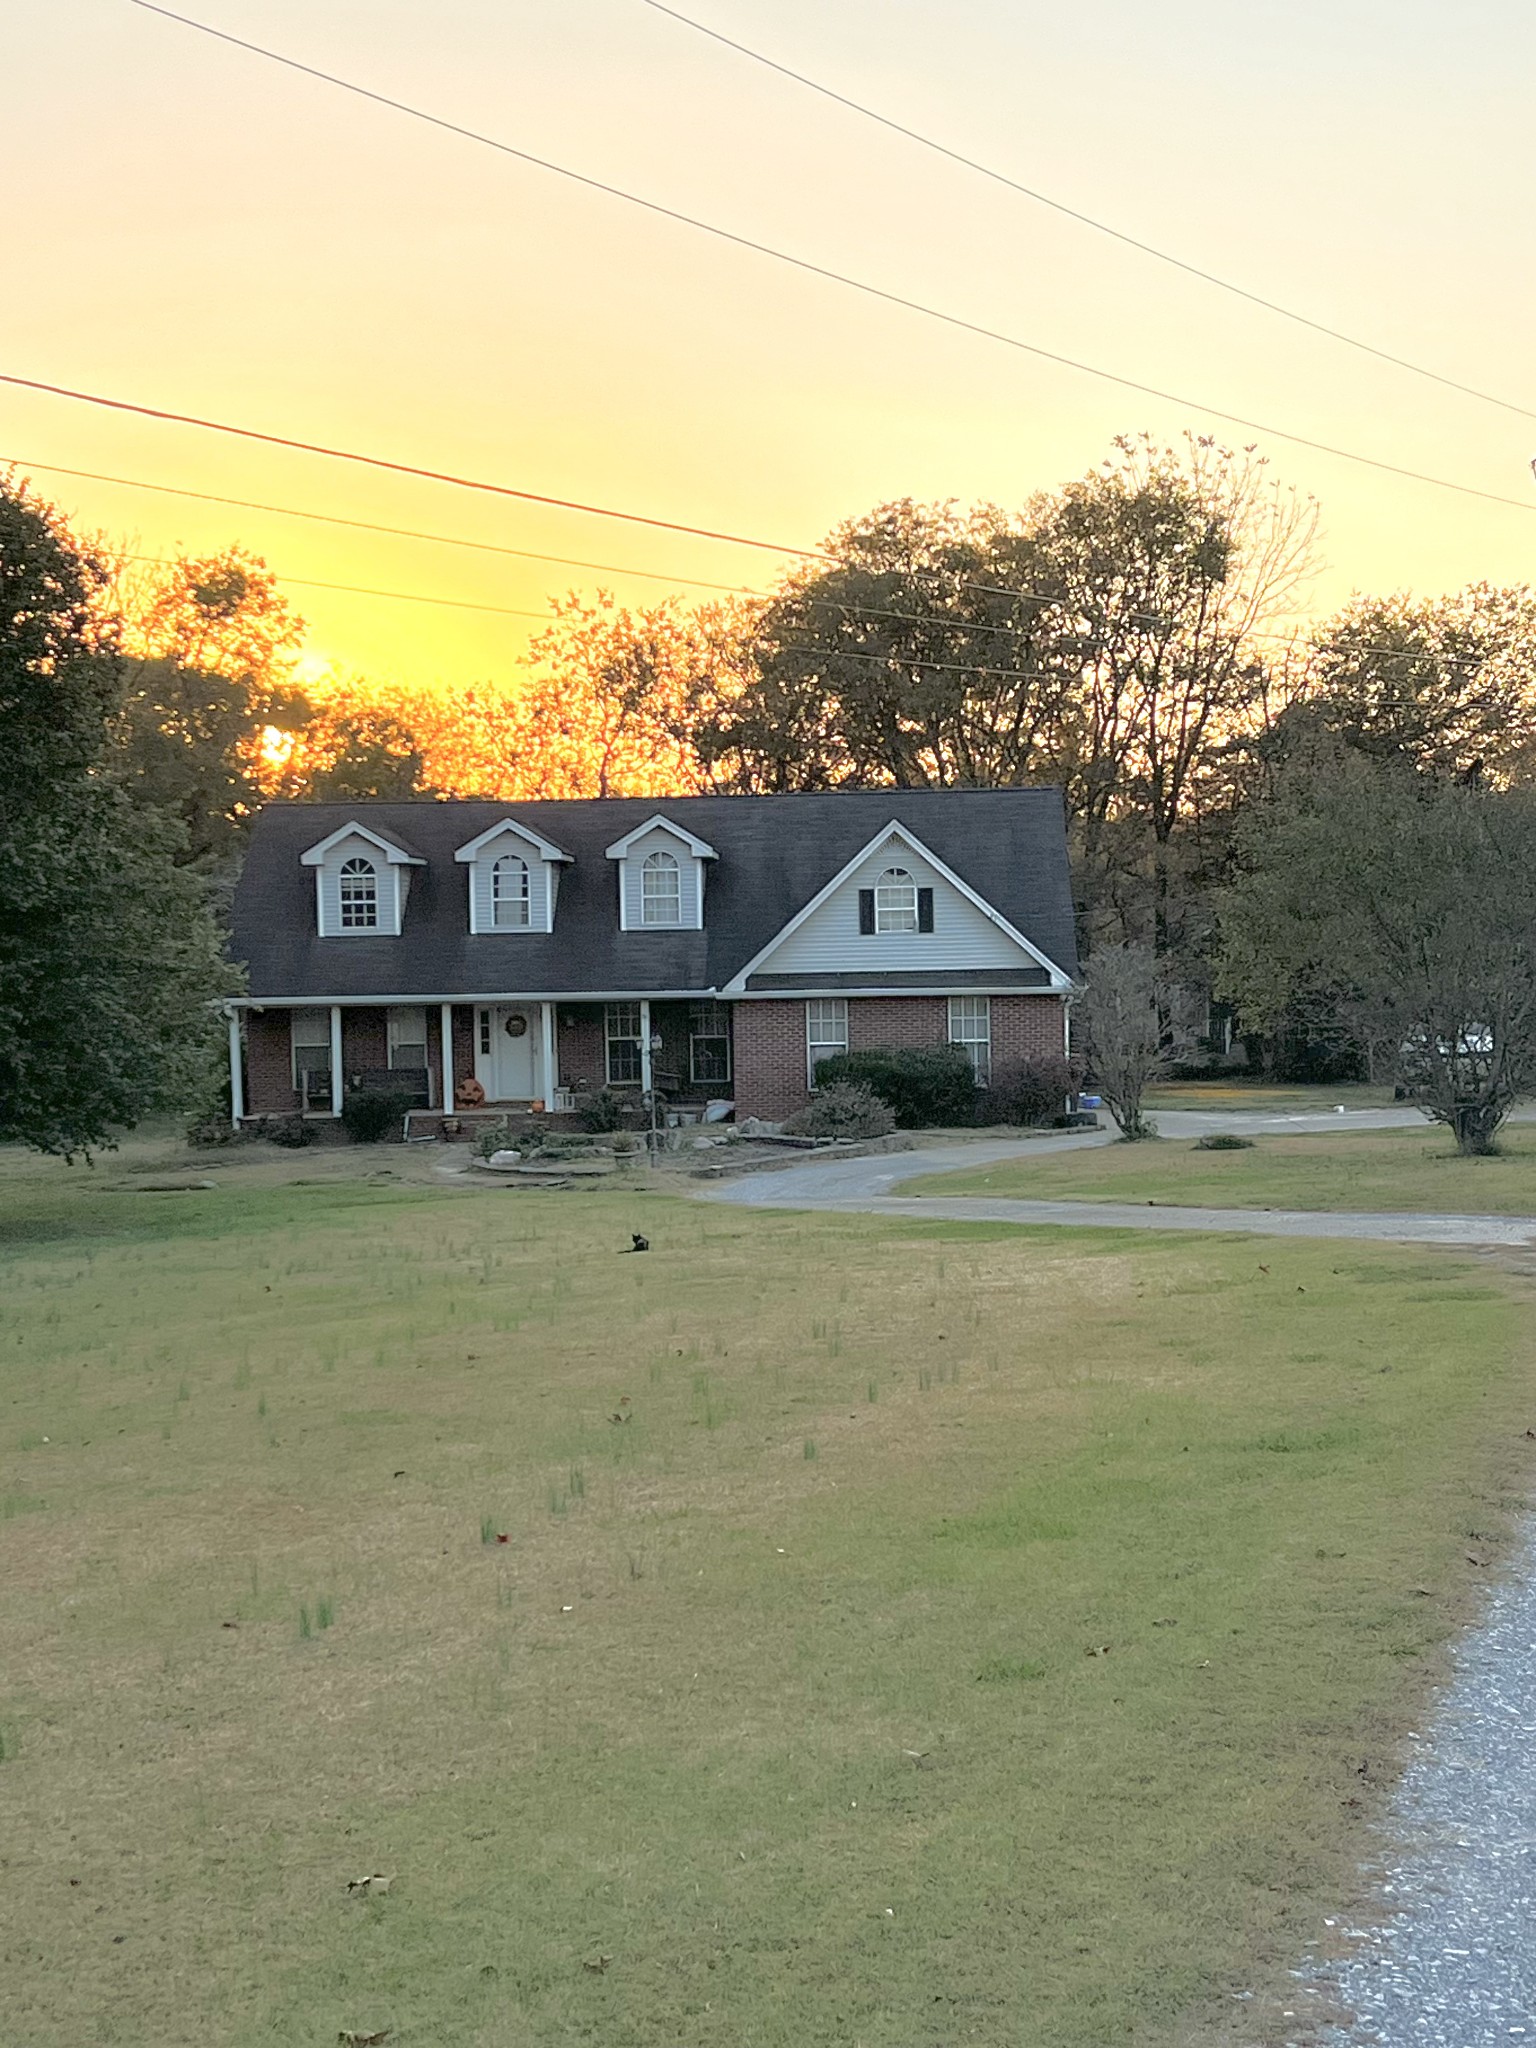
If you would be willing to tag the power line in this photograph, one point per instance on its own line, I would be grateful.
(820, 270)
(437, 476)
(462, 604)
(1085, 219)
(930, 619)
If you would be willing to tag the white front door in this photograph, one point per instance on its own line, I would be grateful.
(507, 1051)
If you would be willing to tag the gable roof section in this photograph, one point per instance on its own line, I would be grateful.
(753, 971)
(775, 854)
(699, 847)
(396, 853)
(545, 848)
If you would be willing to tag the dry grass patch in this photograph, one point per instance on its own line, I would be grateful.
(779, 1692)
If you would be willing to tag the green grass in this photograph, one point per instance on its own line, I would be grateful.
(1021, 1703)
(1266, 1098)
(1413, 1170)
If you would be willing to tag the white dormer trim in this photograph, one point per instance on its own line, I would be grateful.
(699, 848)
(545, 848)
(395, 855)
(1061, 983)
(691, 854)
(392, 886)
(531, 847)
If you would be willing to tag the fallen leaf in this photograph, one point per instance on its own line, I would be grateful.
(374, 1885)
(503, 1539)
(1097, 1650)
(1167, 1621)
(348, 2038)
(599, 1966)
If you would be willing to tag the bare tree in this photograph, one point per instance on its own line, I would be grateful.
(1118, 1013)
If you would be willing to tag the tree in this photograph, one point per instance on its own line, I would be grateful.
(609, 707)
(1401, 909)
(1118, 1013)
(1446, 684)
(206, 692)
(351, 749)
(109, 958)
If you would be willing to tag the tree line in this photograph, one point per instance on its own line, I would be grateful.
(1260, 811)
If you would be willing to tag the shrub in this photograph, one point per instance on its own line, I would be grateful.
(293, 1133)
(921, 1084)
(607, 1109)
(843, 1109)
(1223, 1141)
(1033, 1092)
(370, 1115)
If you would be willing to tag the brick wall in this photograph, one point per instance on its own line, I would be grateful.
(579, 1048)
(364, 1040)
(770, 1040)
(269, 1089)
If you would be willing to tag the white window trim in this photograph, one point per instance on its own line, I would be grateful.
(696, 1038)
(823, 1048)
(483, 851)
(388, 926)
(970, 1042)
(685, 848)
(321, 1020)
(888, 882)
(661, 861)
(525, 899)
(611, 1038)
(369, 895)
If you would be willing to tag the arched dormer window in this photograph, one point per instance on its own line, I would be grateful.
(895, 902)
(661, 890)
(359, 895)
(510, 893)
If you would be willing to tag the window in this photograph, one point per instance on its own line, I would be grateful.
(359, 896)
(895, 902)
(311, 1034)
(621, 1031)
(408, 1038)
(970, 1027)
(709, 1042)
(826, 1031)
(661, 889)
(509, 893)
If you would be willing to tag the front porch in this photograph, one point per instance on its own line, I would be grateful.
(537, 1054)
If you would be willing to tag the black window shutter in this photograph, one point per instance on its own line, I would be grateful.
(866, 910)
(925, 910)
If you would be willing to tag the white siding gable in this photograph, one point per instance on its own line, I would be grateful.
(391, 882)
(830, 942)
(690, 871)
(543, 886)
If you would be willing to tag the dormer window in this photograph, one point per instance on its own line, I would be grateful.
(513, 880)
(359, 896)
(895, 902)
(362, 880)
(661, 889)
(661, 877)
(510, 895)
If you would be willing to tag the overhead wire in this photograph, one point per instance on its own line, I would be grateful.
(1089, 220)
(929, 619)
(810, 268)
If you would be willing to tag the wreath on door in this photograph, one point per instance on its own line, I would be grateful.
(516, 1025)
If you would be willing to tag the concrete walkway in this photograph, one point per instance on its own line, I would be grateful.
(871, 1186)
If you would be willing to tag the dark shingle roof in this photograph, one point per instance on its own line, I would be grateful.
(775, 853)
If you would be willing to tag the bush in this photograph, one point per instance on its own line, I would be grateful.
(370, 1115)
(607, 1109)
(921, 1084)
(1223, 1141)
(843, 1109)
(1033, 1092)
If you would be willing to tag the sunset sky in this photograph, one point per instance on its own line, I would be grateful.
(203, 230)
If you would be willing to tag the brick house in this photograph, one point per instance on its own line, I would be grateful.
(711, 948)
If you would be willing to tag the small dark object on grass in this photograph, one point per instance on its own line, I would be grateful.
(637, 1244)
(599, 1966)
(1222, 1141)
(347, 2038)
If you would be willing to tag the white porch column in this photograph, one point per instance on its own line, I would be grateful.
(645, 1045)
(236, 1077)
(445, 1061)
(551, 1061)
(336, 1082)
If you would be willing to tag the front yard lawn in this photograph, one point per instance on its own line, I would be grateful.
(1414, 1171)
(814, 1631)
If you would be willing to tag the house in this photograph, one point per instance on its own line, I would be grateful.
(712, 948)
